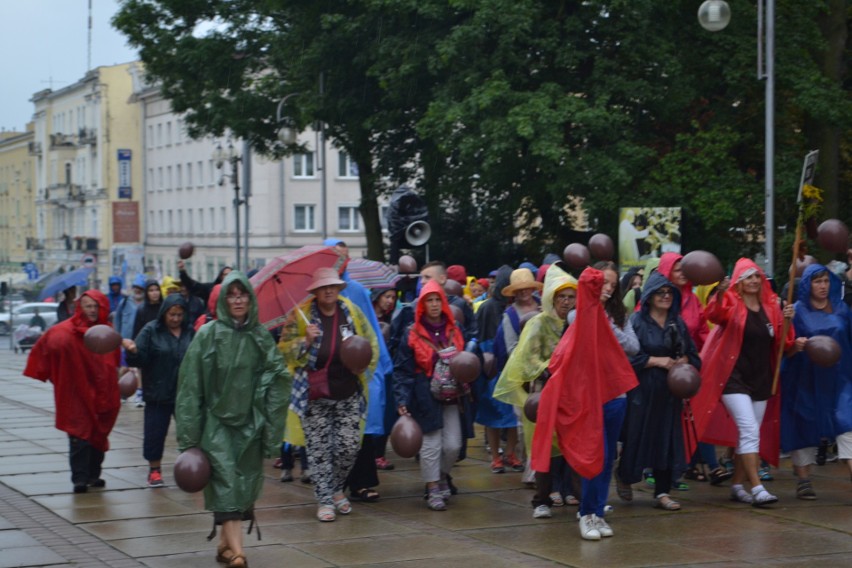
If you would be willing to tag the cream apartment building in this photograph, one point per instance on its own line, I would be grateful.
(17, 204)
(88, 176)
(189, 198)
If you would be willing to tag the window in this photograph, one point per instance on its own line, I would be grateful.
(180, 221)
(346, 168)
(150, 136)
(383, 216)
(171, 227)
(212, 168)
(169, 186)
(152, 221)
(212, 220)
(169, 133)
(189, 175)
(160, 178)
(224, 218)
(159, 135)
(200, 220)
(303, 165)
(189, 222)
(178, 176)
(200, 173)
(348, 218)
(303, 218)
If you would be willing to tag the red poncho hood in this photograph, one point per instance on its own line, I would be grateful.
(588, 369)
(690, 306)
(85, 384)
(418, 340)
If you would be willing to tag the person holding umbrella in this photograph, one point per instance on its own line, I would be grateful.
(329, 400)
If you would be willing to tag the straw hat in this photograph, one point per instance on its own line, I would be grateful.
(325, 277)
(521, 279)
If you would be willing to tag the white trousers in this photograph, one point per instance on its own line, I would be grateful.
(748, 415)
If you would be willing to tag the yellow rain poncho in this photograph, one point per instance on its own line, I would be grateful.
(531, 356)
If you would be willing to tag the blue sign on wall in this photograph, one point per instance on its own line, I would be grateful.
(125, 191)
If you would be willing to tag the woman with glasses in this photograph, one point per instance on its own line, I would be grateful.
(739, 359)
(231, 403)
(653, 435)
(328, 397)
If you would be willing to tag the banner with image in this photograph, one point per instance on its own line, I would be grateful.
(647, 232)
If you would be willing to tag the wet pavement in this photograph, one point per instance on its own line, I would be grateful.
(489, 524)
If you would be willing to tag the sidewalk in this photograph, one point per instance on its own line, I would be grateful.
(489, 524)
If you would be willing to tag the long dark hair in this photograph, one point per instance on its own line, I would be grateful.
(613, 307)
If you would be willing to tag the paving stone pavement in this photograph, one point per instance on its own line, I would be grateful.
(489, 524)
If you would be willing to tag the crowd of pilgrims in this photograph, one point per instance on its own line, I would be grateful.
(595, 348)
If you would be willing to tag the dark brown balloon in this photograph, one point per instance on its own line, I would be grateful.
(406, 437)
(527, 317)
(186, 250)
(102, 339)
(702, 267)
(576, 256)
(489, 365)
(465, 367)
(192, 470)
(386, 330)
(356, 353)
(802, 263)
(407, 264)
(601, 247)
(458, 314)
(823, 350)
(453, 288)
(531, 406)
(684, 380)
(833, 236)
(127, 384)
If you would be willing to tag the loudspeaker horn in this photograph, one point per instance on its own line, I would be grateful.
(418, 233)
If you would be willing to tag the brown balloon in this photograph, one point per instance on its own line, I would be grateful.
(356, 353)
(192, 470)
(406, 437)
(833, 236)
(127, 384)
(823, 350)
(489, 365)
(601, 247)
(458, 314)
(465, 367)
(186, 250)
(702, 267)
(386, 330)
(576, 256)
(101, 339)
(684, 380)
(531, 406)
(453, 288)
(407, 264)
(802, 263)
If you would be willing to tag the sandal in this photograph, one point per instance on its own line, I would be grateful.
(571, 500)
(326, 514)
(224, 554)
(665, 502)
(365, 494)
(556, 499)
(719, 475)
(238, 561)
(343, 506)
(624, 490)
(694, 474)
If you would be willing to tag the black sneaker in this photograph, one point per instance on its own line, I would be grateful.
(97, 483)
(81, 488)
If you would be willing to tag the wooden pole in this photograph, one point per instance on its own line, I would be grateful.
(790, 288)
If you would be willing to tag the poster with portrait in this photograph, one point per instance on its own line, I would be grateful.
(647, 232)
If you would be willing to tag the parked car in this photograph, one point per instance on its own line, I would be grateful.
(11, 301)
(25, 312)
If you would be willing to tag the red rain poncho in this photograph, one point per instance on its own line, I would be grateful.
(85, 384)
(713, 424)
(588, 369)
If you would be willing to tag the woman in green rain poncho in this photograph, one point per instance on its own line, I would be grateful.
(529, 362)
(232, 398)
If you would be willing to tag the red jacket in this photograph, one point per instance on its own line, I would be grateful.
(718, 357)
(85, 384)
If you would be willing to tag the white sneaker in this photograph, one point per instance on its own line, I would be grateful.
(589, 527)
(603, 527)
(138, 400)
(762, 497)
(542, 512)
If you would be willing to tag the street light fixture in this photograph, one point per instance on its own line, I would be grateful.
(230, 155)
(286, 133)
(714, 15)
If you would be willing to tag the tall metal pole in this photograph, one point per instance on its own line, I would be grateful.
(324, 164)
(236, 180)
(246, 194)
(770, 137)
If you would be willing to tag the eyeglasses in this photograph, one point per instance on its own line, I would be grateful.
(237, 298)
(565, 298)
(662, 293)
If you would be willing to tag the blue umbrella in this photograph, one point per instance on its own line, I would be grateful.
(79, 277)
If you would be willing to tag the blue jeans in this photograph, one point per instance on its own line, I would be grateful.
(596, 490)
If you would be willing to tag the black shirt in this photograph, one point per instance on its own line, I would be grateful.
(342, 383)
(751, 374)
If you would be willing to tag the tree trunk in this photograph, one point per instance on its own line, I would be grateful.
(369, 206)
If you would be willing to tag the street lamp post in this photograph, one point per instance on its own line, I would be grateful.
(714, 15)
(230, 155)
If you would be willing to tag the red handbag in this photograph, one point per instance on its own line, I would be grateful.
(318, 386)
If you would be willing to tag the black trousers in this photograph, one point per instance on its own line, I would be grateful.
(85, 461)
(363, 473)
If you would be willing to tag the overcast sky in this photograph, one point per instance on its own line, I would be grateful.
(48, 39)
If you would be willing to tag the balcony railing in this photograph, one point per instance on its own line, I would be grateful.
(87, 136)
(59, 140)
(34, 149)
